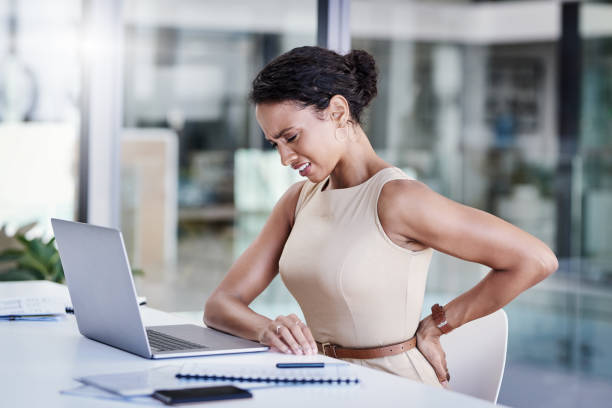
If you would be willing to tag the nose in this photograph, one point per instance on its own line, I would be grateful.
(287, 155)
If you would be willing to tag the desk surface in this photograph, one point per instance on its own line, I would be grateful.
(40, 358)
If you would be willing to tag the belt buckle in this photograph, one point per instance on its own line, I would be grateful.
(332, 346)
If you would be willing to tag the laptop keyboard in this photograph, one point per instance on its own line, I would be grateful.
(163, 342)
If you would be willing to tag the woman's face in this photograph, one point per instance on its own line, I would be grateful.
(304, 138)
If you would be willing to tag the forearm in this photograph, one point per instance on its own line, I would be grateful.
(230, 315)
(495, 291)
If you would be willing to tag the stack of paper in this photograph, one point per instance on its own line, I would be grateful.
(33, 300)
(36, 300)
(31, 308)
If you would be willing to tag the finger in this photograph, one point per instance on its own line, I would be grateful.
(287, 320)
(310, 337)
(287, 337)
(435, 356)
(272, 340)
(298, 333)
(289, 323)
(298, 330)
(447, 376)
(305, 330)
(439, 362)
(441, 372)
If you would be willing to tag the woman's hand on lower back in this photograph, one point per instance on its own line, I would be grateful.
(288, 334)
(428, 343)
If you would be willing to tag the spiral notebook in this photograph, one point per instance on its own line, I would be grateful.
(332, 373)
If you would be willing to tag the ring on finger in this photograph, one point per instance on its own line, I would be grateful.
(278, 328)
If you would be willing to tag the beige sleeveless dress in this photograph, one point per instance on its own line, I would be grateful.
(355, 286)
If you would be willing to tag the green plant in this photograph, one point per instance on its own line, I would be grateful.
(35, 260)
(31, 259)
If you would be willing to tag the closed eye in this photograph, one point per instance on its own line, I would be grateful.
(292, 138)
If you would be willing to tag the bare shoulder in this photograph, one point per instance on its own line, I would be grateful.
(403, 186)
(293, 192)
(288, 201)
(398, 207)
(396, 194)
(412, 203)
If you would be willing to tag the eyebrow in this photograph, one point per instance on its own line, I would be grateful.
(282, 132)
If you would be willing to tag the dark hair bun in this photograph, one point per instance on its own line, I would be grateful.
(311, 76)
(363, 67)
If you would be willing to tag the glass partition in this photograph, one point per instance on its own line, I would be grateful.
(472, 117)
(468, 104)
(592, 198)
(198, 183)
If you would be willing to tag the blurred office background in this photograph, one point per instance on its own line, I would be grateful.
(134, 114)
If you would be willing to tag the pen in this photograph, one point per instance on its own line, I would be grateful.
(300, 365)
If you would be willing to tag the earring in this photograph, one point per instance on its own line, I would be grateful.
(352, 136)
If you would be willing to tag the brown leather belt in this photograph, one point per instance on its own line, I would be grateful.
(333, 350)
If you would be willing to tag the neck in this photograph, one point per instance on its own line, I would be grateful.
(358, 163)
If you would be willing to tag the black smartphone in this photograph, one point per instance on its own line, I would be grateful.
(171, 397)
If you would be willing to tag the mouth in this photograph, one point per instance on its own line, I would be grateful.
(304, 169)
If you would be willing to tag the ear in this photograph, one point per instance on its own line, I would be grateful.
(338, 110)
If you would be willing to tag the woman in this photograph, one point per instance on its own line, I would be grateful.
(353, 241)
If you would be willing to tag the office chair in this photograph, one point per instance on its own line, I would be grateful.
(476, 356)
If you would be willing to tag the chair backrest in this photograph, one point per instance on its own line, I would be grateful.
(476, 355)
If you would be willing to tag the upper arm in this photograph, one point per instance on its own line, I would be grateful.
(465, 232)
(253, 271)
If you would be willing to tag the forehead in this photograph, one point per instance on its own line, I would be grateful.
(273, 111)
(275, 116)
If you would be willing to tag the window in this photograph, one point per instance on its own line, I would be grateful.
(197, 180)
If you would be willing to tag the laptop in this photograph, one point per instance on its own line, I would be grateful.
(103, 295)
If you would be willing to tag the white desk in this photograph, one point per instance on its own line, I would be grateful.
(40, 358)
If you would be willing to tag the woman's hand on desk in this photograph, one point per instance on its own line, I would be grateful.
(428, 343)
(288, 334)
